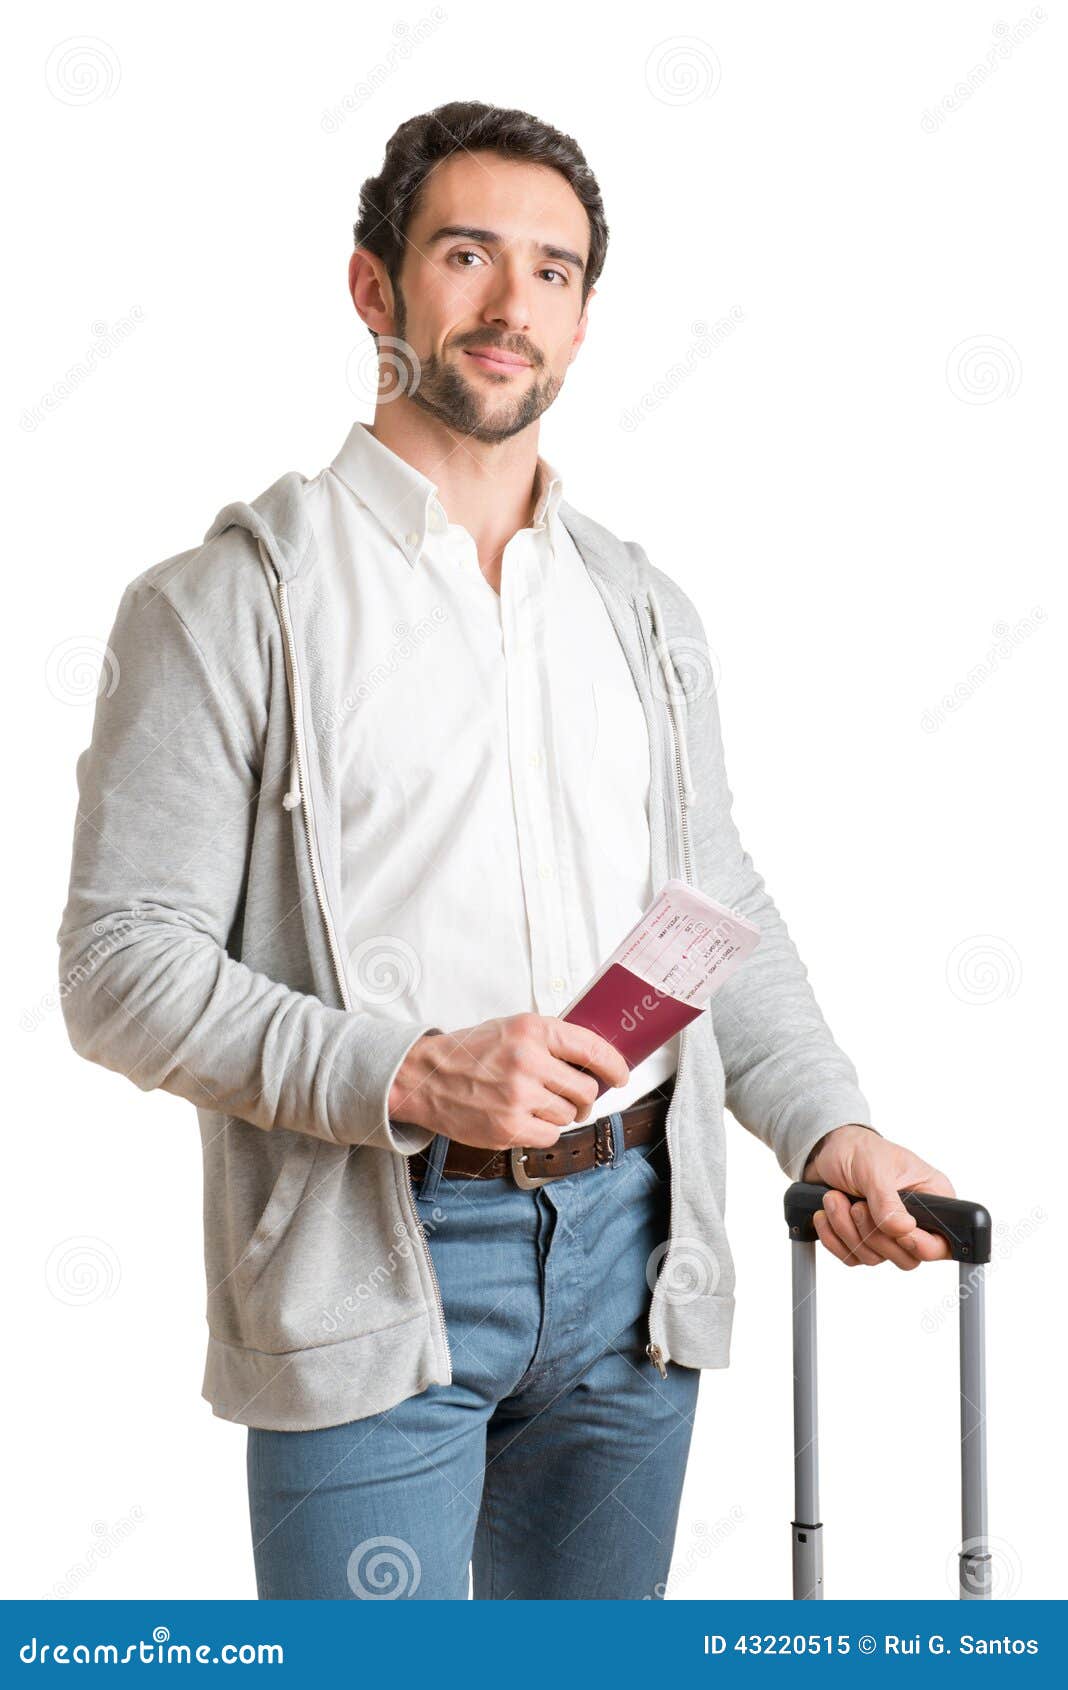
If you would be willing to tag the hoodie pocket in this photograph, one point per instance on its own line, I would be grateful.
(287, 1193)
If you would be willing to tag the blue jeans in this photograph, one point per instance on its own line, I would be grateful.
(552, 1465)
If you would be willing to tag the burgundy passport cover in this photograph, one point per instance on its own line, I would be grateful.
(632, 1015)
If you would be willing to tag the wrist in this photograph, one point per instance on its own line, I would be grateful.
(407, 1096)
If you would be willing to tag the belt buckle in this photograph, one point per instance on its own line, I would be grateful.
(517, 1156)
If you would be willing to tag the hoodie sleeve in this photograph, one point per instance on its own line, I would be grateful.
(167, 794)
(787, 1081)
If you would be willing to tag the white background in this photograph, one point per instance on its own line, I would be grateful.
(855, 503)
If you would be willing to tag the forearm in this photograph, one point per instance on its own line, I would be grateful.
(172, 1011)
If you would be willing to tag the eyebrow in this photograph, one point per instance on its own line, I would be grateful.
(490, 237)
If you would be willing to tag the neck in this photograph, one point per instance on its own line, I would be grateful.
(488, 488)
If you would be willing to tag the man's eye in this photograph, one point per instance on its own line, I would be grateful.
(561, 273)
(466, 253)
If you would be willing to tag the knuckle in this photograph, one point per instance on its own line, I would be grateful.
(520, 1052)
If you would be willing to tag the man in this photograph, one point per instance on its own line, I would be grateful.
(396, 756)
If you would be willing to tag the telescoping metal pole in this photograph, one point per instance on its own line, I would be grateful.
(805, 1526)
(967, 1229)
(975, 1563)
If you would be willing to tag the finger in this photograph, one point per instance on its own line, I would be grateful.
(887, 1211)
(935, 1183)
(546, 1119)
(930, 1246)
(831, 1241)
(587, 1050)
(566, 1085)
(888, 1248)
(887, 1207)
(836, 1208)
(927, 1246)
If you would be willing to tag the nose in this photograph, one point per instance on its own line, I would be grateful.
(508, 302)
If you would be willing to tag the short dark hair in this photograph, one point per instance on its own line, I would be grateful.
(389, 200)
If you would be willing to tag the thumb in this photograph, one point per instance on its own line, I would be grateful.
(886, 1208)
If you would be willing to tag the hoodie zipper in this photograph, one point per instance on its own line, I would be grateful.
(317, 881)
(652, 1348)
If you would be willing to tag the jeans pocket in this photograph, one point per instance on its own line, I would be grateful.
(651, 1159)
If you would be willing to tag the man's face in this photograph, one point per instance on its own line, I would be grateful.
(464, 296)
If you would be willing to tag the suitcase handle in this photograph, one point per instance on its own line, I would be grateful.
(964, 1225)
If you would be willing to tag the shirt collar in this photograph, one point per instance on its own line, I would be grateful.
(405, 501)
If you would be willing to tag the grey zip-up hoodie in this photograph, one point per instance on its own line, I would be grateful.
(200, 954)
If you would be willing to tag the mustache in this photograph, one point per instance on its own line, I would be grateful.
(522, 351)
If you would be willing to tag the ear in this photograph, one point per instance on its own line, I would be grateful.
(371, 291)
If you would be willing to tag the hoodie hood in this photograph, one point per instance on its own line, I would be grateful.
(277, 518)
(278, 521)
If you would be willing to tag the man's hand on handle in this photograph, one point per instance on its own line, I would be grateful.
(514, 1080)
(869, 1226)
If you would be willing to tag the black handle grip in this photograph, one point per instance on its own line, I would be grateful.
(965, 1226)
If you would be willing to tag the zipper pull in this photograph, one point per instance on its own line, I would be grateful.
(656, 1356)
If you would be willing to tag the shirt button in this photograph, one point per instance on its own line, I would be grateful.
(411, 539)
(558, 984)
(545, 871)
(436, 522)
(536, 759)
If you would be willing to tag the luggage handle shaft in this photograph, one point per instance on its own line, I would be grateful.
(967, 1229)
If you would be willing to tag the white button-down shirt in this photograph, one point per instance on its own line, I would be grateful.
(493, 753)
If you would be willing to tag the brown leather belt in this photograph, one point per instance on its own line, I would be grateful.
(576, 1150)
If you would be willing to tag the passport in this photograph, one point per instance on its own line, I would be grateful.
(664, 973)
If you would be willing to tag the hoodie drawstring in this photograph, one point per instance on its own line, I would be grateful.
(291, 798)
(671, 682)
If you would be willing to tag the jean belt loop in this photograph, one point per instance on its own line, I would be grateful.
(617, 1138)
(436, 1153)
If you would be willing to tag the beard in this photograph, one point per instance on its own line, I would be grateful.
(443, 391)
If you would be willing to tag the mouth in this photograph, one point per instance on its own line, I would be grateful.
(497, 362)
